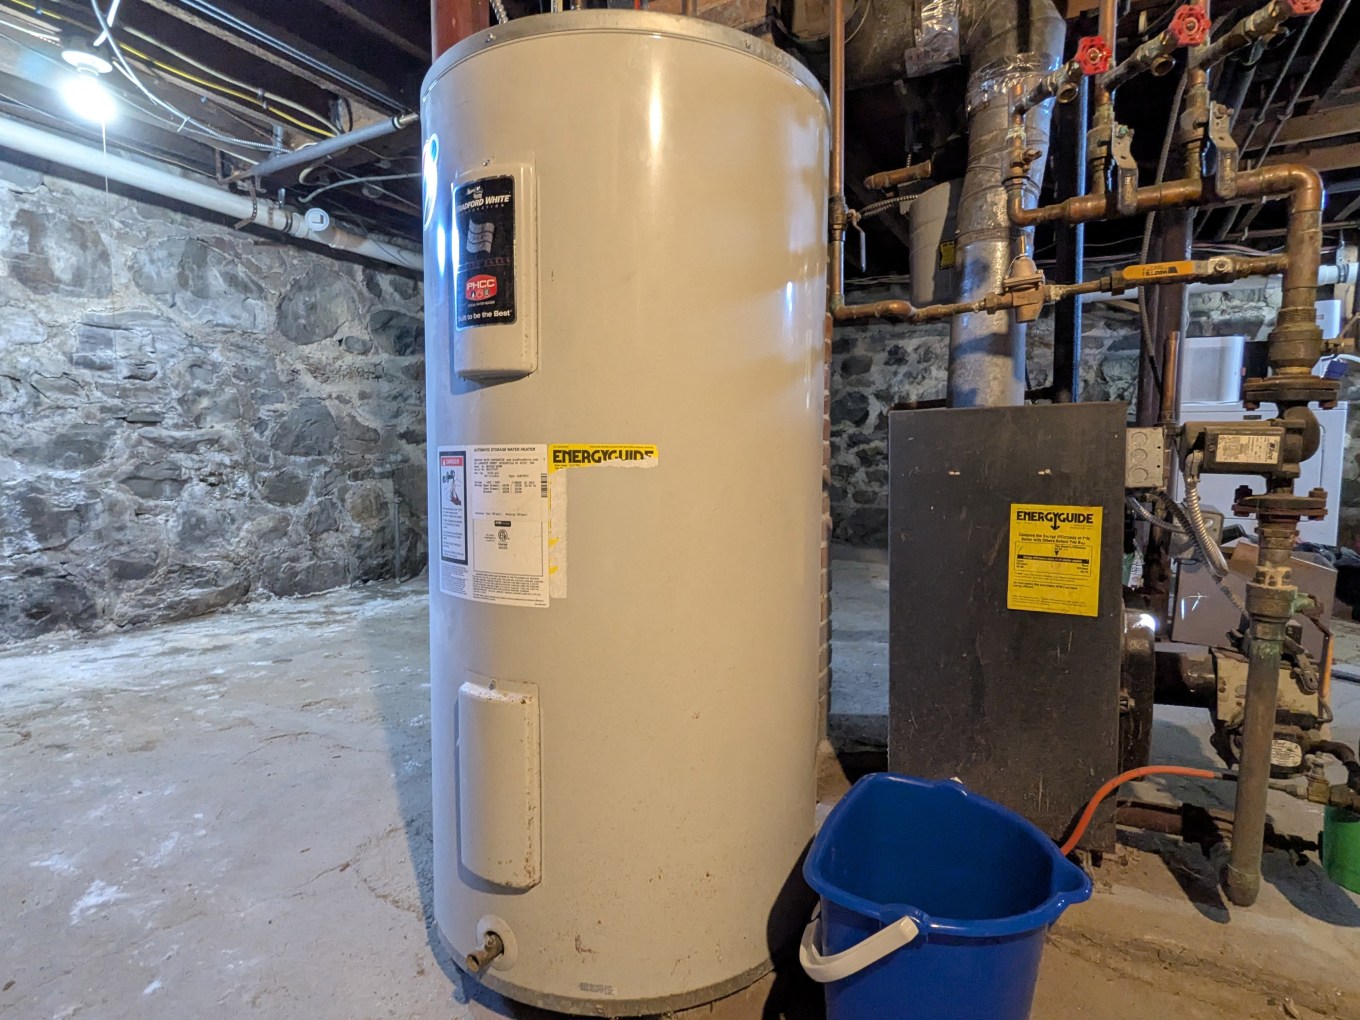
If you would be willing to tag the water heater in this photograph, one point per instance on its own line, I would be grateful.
(625, 250)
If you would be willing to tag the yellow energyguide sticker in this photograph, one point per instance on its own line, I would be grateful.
(568, 455)
(1054, 559)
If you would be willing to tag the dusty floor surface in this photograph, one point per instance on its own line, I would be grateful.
(230, 817)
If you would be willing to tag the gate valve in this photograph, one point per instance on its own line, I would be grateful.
(1190, 25)
(1298, 8)
(1093, 53)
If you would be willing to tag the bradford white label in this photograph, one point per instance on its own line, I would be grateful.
(484, 218)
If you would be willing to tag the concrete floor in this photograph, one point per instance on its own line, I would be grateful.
(230, 816)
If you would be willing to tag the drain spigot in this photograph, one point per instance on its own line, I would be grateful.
(492, 947)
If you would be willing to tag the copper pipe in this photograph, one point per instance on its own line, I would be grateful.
(1108, 27)
(1254, 26)
(1221, 268)
(1328, 656)
(905, 311)
(1060, 84)
(1154, 55)
(1196, 114)
(1171, 376)
(895, 178)
(836, 241)
(1301, 183)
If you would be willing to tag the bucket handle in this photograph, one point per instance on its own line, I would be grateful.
(825, 969)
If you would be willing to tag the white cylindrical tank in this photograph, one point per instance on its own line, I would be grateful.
(625, 291)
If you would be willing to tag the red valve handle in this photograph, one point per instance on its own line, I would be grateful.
(1093, 53)
(1298, 7)
(1190, 24)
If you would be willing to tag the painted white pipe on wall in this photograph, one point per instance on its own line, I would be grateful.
(43, 144)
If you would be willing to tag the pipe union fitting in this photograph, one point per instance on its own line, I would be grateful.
(1270, 609)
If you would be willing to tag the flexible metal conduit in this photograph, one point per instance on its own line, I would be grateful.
(42, 144)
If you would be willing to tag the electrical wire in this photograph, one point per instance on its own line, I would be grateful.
(260, 96)
(1144, 327)
(1143, 513)
(206, 129)
(322, 132)
(254, 95)
(372, 179)
(144, 111)
(110, 17)
(1307, 75)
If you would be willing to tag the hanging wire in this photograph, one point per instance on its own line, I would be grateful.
(267, 101)
(205, 129)
(1144, 327)
(110, 17)
(372, 179)
(1288, 112)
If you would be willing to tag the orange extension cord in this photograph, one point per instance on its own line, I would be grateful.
(1147, 770)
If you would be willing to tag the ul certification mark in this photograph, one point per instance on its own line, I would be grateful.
(484, 216)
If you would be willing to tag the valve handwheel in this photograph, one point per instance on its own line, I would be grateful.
(1093, 54)
(1190, 24)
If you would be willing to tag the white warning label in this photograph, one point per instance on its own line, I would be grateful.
(1248, 449)
(493, 524)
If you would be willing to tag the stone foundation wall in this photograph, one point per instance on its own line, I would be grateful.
(877, 365)
(190, 414)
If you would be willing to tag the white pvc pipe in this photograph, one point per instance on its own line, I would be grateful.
(42, 144)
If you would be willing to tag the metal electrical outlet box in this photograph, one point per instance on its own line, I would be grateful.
(1145, 458)
(1022, 704)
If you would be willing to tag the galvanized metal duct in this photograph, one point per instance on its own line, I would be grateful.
(1007, 52)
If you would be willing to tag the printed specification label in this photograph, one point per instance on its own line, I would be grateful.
(493, 524)
(1054, 559)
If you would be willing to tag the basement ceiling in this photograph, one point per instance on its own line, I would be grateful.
(219, 84)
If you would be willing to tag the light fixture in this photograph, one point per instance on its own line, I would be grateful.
(87, 97)
(80, 55)
(84, 93)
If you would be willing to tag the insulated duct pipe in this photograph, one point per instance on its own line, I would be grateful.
(315, 151)
(986, 349)
(42, 144)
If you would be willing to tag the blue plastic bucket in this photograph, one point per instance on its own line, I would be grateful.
(935, 903)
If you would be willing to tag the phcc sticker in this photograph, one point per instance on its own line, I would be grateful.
(480, 288)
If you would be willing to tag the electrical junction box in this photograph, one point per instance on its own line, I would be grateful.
(1145, 458)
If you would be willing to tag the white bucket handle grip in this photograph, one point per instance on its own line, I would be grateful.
(825, 969)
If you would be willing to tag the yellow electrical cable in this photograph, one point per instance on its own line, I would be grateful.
(326, 132)
(227, 91)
